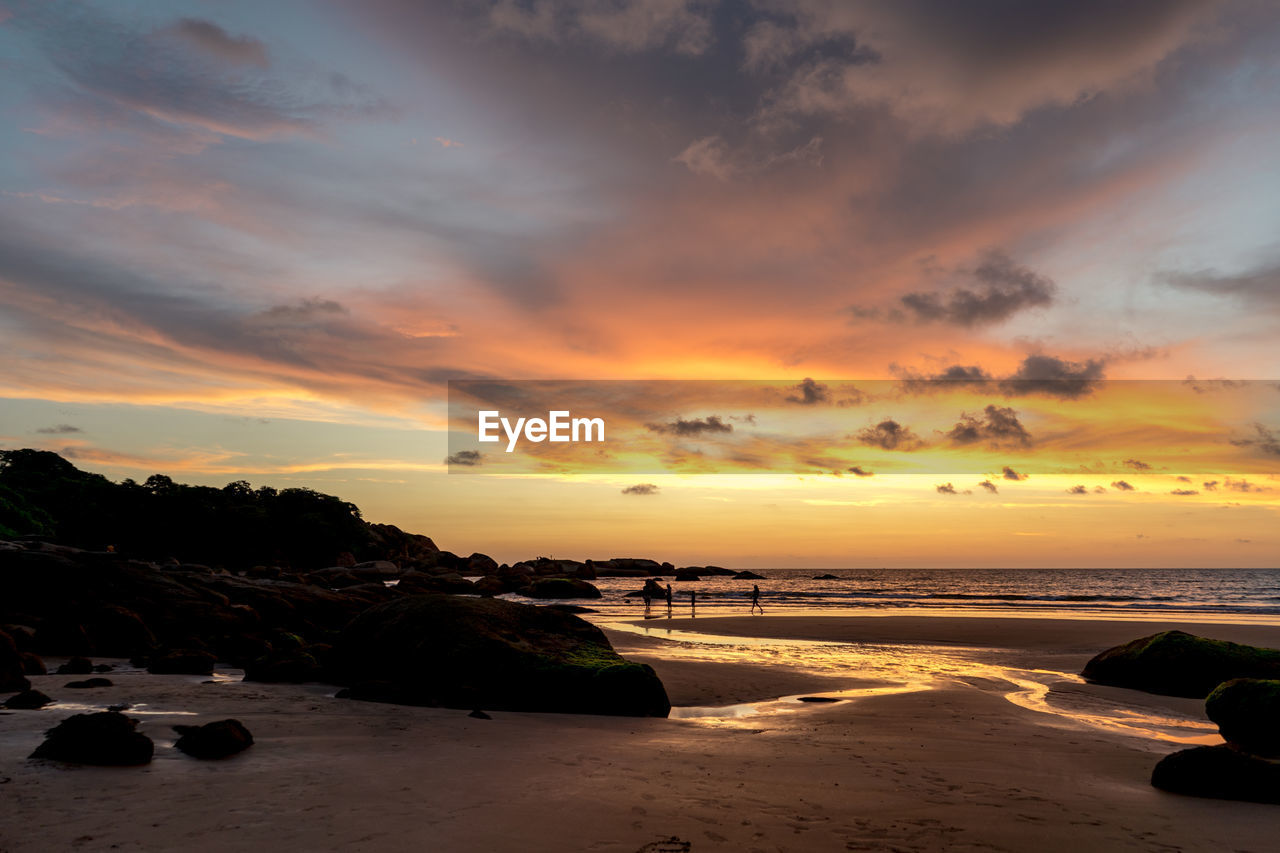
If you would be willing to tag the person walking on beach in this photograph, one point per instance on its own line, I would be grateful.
(668, 599)
(755, 599)
(693, 602)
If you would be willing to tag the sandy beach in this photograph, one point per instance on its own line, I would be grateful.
(950, 764)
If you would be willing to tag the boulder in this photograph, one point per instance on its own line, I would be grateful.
(450, 583)
(12, 675)
(1175, 663)
(106, 738)
(1247, 711)
(690, 574)
(466, 653)
(289, 666)
(27, 699)
(1219, 772)
(561, 588)
(214, 740)
(825, 577)
(182, 662)
(481, 564)
(76, 666)
(747, 576)
(89, 684)
(32, 664)
(490, 586)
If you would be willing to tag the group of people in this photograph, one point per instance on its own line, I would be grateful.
(693, 600)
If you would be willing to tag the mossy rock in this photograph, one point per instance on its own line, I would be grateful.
(1175, 663)
(1247, 711)
(488, 653)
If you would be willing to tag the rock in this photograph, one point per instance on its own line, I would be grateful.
(116, 631)
(570, 608)
(12, 677)
(105, 738)
(450, 583)
(1247, 711)
(655, 589)
(1175, 663)
(490, 586)
(748, 576)
(76, 666)
(291, 666)
(27, 700)
(819, 699)
(1219, 772)
(89, 683)
(481, 564)
(825, 578)
(561, 588)
(182, 662)
(479, 715)
(689, 574)
(461, 652)
(214, 740)
(32, 664)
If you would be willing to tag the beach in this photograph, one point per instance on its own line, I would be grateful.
(937, 758)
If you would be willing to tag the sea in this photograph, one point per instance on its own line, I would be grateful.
(1245, 595)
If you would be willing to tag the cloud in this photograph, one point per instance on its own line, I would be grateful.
(641, 489)
(630, 26)
(859, 471)
(1184, 492)
(1182, 479)
(1054, 377)
(446, 142)
(1002, 289)
(1210, 485)
(1122, 486)
(809, 393)
(214, 41)
(694, 427)
(1243, 485)
(465, 457)
(59, 429)
(889, 435)
(1078, 490)
(946, 489)
(1010, 474)
(1259, 287)
(708, 156)
(989, 486)
(999, 427)
(947, 68)
(1265, 440)
(1136, 464)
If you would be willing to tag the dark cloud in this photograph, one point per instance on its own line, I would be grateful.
(1264, 440)
(1078, 490)
(217, 42)
(999, 427)
(946, 489)
(468, 458)
(889, 435)
(1136, 464)
(1122, 486)
(1243, 485)
(1210, 485)
(989, 486)
(1184, 492)
(1054, 377)
(1182, 479)
(1010, 474)
(809, 393)
(859, 471)
(1099, 490)
(694, 427)
(59, 429)
(1259, 287)
(641, 489)
(1000, 289)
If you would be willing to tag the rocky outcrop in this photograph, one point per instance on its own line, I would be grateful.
(1175, 663)
(289, 666)
(561, 588)
(105, 738)
(1247, 711)
(747, 576)
(1220, 772)
(182, 662)
(487, 653)
(214, 740)
(12, 672)
(451, 583)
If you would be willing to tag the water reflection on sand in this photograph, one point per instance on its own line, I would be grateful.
(886, 669)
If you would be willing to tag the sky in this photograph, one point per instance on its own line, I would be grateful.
(257, 241)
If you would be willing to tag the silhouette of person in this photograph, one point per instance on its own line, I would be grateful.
(668, 599)
(647, 600)
(755, 599)
(693, 602)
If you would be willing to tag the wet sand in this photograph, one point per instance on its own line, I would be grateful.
(956, 766)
